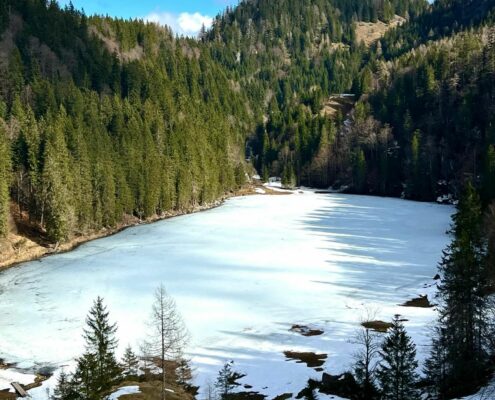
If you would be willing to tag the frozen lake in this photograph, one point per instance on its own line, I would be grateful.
(242, 275)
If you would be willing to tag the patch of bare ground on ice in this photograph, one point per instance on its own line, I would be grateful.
(311, 359)
(306, 330)
(420, 302)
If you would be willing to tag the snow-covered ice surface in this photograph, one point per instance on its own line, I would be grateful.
(485, 393)
(124, 390)
(242, 275)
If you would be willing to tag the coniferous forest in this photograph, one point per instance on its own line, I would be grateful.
(104, 120)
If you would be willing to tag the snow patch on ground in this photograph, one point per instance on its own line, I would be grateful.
(486, 393)
(124, 390)
(446, 199)
(7, 376)
(46, 390)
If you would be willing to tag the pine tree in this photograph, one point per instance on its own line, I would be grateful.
(396, 371)
(97, 369)
(64, 389)
(288, 177)
(489, 174)
(359, 171)
(57, 183)
(226, 380)
(5, 171)
(84, 379)
(459, 350)
(240, 175)
(130, 362)
(184, 373)
(490, 232)
(414, 177)
(265, 176)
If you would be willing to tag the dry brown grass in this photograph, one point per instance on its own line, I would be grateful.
(250, 190)
(378, 326)
(420, 302)
(306, 331)
(370, 32)
(4, 395)
(151, 391)
(311, 359)
(150, 386)
(285, 396)
(336, 104)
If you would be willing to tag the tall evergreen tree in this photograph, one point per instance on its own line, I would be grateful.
(57, 182)
(396, 371)
(64, 389)
(226, 380)
(5, 172)
(97, 369)
(459, 350)
(130, 362)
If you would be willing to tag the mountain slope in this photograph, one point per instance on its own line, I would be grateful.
(110, 119)
(413, 132)
(97, 137)
(290, 57)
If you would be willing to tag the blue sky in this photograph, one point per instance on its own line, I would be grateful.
(184, 16)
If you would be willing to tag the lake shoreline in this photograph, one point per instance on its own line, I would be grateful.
(32, 251)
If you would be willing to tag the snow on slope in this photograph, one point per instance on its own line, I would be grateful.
(124, 390)
(242, 275)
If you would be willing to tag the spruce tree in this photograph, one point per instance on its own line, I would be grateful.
(184, 373)
(459, 356)
(130, 362)
(359, 171)
(64, 389)
(226, 380)
(97, 369)
(57, 182)
(5, 171)
(396, 371)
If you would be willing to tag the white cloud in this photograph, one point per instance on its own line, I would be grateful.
(192, 23)
(188, 24)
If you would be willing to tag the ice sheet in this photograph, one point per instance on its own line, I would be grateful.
(242, 275)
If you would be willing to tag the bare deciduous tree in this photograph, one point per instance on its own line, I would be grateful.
(209, 391)
(167, 335)
(366, 357)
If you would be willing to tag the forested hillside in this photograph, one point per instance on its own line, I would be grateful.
(421, 122)
(290, 57)
(106, 119)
